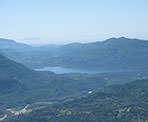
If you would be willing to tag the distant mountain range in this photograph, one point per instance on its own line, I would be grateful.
(111, 54)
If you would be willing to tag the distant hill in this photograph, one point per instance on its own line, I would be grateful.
(119, 103)
(112, 54)
(14, 50)
(2, 40)
(11, 44)
(26, 54)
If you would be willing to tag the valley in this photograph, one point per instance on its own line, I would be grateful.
(61, 78)
(74, 61)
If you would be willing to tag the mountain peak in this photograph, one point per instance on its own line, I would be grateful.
(117, 39)
(122, 37)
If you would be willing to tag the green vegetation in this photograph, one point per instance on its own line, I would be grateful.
(20, 85)
(118, 103)
(113, 54)
(117, 54)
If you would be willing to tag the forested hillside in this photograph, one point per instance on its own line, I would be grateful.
(20, 85)
(118, 103)
(118, 54)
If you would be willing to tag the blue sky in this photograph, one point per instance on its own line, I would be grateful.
(65, 21)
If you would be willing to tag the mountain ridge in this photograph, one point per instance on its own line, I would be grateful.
(112, 54)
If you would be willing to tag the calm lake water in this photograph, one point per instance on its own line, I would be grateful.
(61, 70)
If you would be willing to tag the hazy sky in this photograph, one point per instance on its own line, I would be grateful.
(63, 21)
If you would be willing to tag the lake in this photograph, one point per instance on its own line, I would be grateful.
(61, 70)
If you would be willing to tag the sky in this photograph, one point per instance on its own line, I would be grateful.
(66, 21)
